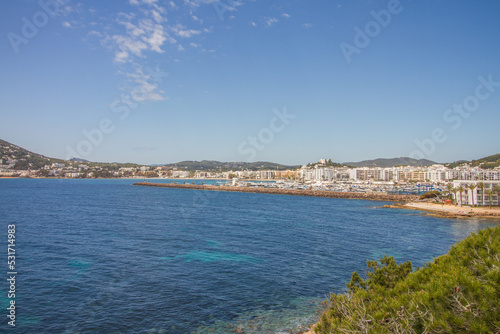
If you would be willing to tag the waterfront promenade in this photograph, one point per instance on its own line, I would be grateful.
(296, 192)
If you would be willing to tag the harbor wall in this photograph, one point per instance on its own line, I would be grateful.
(296, 192)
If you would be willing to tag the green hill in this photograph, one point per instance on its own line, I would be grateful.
(488, 162)
(211, 165)
(18, 158)
(491, 161)
(22, 159)
(384, 163)
(457, 293)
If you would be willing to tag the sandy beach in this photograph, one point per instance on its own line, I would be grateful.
(448, 210)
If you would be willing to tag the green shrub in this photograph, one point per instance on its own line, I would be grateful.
(456, 293)
(431, 194)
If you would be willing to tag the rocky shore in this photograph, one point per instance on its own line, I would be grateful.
(296, 192)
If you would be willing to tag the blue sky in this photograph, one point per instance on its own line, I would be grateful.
(150, 81)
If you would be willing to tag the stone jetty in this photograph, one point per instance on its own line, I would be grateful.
(296, 192)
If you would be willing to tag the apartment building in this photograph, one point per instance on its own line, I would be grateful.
(476, 195)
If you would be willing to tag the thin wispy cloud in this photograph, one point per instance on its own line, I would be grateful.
(121, 44)
(181, 31)
(145, 30)
(197, 3)
(270, 21)
(64, 8)
(146, 89)
(131, 38)
(139, 2)
(94, 33)
(197, 19)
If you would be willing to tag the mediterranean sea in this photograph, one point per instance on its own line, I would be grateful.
(103, 256)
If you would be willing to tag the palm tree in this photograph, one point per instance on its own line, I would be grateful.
(461, 189)
(445, 194)
(449, 187)
(496, 189)
(481, 186)
(489, 192)
(454, 191)
(472, 186)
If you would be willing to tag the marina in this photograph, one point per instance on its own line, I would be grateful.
(276, 189)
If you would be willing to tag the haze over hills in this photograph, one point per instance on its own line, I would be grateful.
(18, 158)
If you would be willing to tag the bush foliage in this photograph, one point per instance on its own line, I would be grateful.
(456, 293)
(431, 194)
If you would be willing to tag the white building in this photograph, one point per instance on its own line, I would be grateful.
(435, 175)
(475, 196)
(180, 174)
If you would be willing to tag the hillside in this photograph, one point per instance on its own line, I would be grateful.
(207, 165)
(391, 162)
(326, 163)
(19, 158)
(488, 162)
(456, 293)
(14, 157)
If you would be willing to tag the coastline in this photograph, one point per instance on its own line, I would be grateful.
(311, 329)
(449, 211)
(294, 192)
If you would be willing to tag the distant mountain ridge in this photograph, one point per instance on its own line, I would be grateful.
(206, 165)
(25, 159)
(385, 163)
(78, 160)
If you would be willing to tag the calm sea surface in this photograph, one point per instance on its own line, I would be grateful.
(103, 256)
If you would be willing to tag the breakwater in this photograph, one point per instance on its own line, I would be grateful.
(294, 192)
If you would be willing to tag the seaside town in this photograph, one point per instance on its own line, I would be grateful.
(250, 167)
(469, 185)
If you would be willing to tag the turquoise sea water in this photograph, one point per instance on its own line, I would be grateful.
(103, 256)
